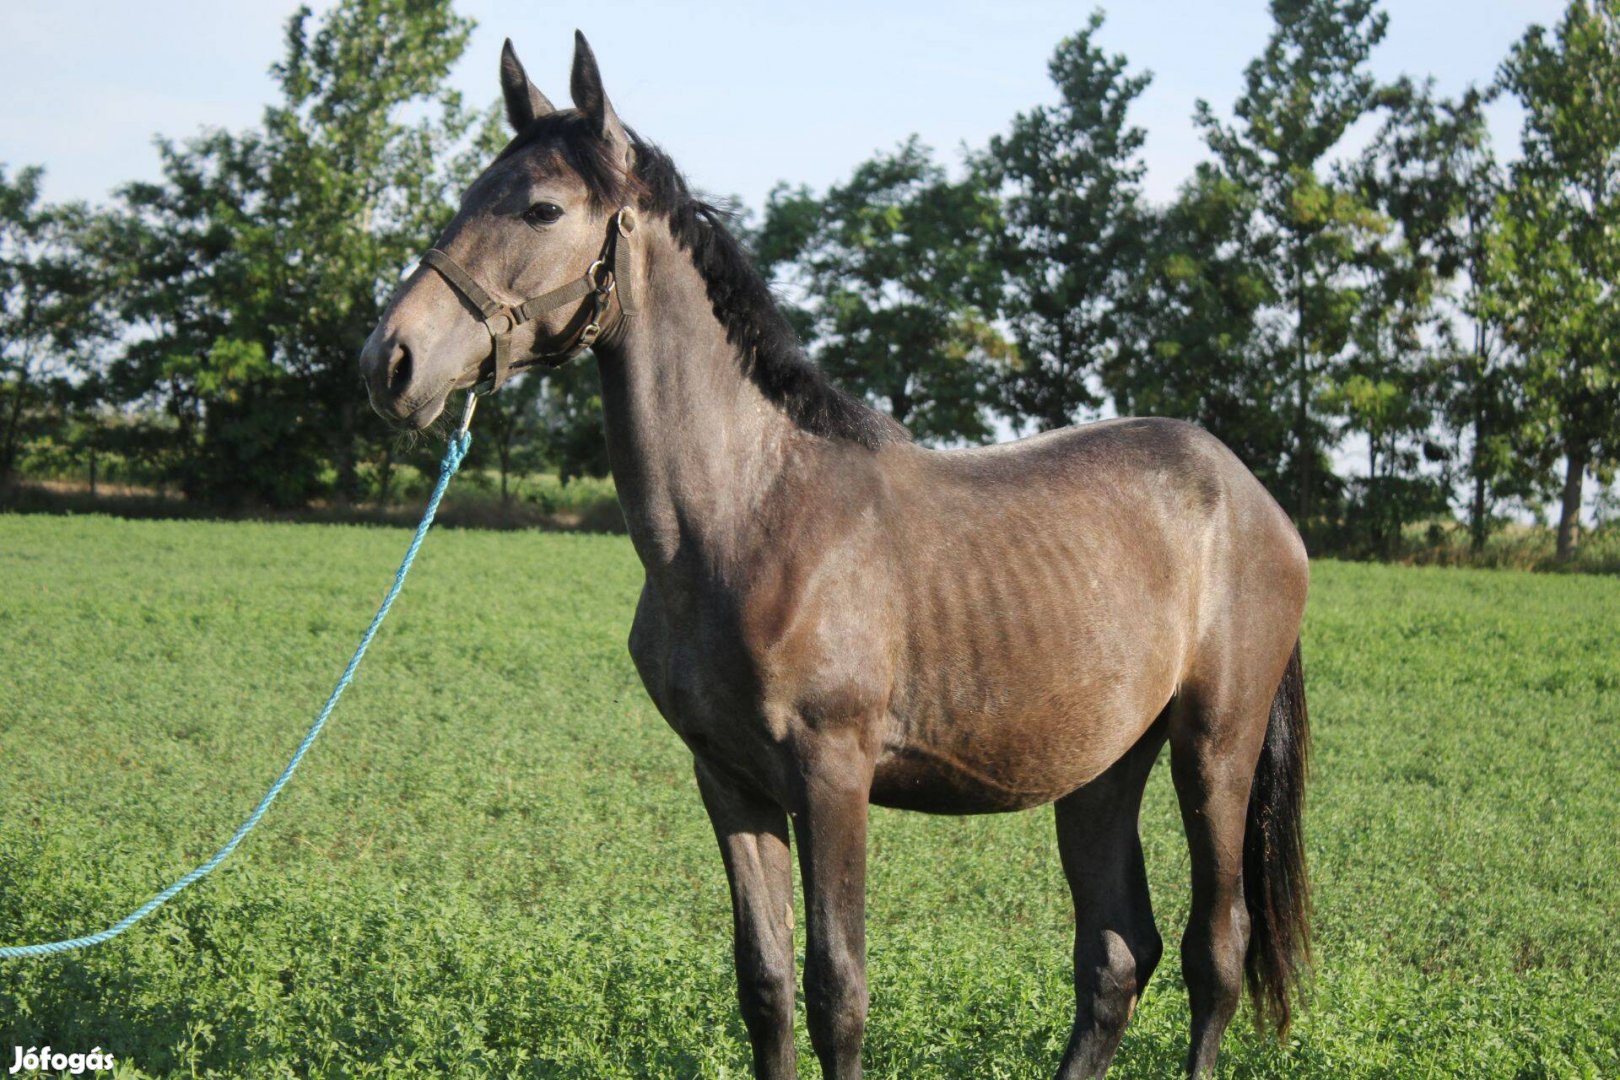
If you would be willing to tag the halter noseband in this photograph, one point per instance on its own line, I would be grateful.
(609, 274)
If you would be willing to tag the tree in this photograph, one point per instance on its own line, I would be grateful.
(1559, 244)
(899, 286)
(569, 412)
(1192, 344)
(52, 321)
(1416, 174)
(1070, 179)
(261, 261)
(1432, 170)
(1300, 97)
(510, 430)
(196, 361)
(363, 167)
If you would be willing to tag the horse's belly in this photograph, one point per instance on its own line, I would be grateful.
(909, 779)
(989, 764)
(1020, 734)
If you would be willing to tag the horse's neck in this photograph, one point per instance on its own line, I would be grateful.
(693, 443)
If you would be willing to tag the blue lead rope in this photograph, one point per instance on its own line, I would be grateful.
(453, 454)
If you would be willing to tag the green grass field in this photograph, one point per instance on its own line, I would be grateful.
(496, 863)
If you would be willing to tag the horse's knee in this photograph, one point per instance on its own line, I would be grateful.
(835, 999)
(766, 995)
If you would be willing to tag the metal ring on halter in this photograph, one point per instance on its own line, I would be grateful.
(605, 287)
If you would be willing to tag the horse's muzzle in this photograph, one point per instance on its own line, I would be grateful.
(388, 364)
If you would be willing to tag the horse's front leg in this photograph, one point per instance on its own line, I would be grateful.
(753, 839)
(830, 825)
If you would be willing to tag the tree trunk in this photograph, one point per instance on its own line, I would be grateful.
(1476, 507)
(343, 451)
(1374, 510)
(1569, 515)
(1302, 375)
(8, 450)
(385, 474)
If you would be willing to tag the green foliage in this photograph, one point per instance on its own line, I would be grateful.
(1456, 317)
(1070, 178)
(1195, 344)
(570, 417)
(261, 261)
(1435, 172)
(1393, 382)
(52, 320)
(1511, 546)
(899, 286)
(1559, 249)
(496, 862)
(1311, 225)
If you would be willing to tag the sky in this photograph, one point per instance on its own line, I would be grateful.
(741, 95)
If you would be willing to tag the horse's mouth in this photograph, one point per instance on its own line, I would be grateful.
(426, 414)
(414, 418)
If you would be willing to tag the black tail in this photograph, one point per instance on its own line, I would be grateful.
(1275, 885)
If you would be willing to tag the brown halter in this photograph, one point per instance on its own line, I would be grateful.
(609, 274)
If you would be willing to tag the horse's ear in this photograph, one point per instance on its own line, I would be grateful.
(589, 97)
(523, 101)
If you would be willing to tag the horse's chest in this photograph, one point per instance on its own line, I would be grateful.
(702, 684)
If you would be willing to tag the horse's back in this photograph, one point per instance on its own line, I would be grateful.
(1106, 460)
(1144, 495)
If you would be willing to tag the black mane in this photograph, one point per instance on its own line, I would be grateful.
(742, 301)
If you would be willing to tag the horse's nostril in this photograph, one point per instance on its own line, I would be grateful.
(399, 369)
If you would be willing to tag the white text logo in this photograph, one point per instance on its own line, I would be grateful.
(36, 1058)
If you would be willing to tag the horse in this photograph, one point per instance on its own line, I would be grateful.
(834, 616)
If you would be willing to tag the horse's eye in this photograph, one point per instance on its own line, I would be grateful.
(542, 213)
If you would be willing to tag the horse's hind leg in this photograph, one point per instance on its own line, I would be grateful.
(1215, 740)
(1116, 945)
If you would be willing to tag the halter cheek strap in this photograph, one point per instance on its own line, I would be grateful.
(610, 274)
